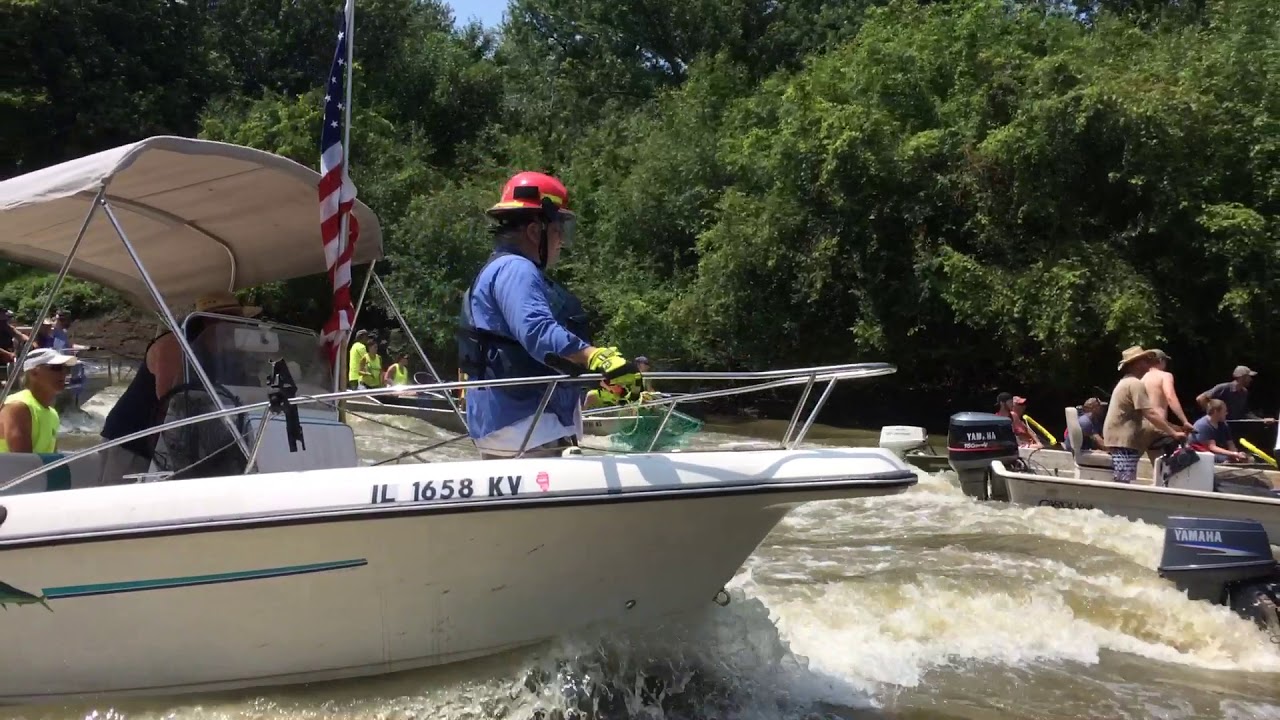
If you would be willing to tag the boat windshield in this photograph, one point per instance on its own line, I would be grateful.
(241, 352)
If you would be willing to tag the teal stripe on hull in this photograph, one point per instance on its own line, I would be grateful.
(70, 591)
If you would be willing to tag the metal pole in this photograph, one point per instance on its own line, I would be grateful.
(257, 442)
(349, 17)
(542, 406)
(340, 367)
(172, 322)
(53, 292)
(808, 423)
(795, 415)
(662, 426)
(769, 380)
(386, 297)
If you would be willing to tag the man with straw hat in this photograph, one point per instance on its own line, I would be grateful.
(1133, 422)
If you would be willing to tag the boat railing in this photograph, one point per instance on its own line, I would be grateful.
(759, 381)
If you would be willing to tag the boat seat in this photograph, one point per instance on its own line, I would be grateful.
(1095, 459)
(83, 473)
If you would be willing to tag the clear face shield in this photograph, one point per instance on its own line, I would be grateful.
(567, 222)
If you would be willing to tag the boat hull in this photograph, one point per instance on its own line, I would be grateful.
(184, 604)
(1138, 502)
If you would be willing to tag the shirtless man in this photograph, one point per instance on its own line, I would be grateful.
(1161, 393)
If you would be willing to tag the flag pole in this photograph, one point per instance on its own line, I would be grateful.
(344, 237)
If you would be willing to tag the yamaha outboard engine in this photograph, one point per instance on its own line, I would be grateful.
(974, 439)
(1228, 562)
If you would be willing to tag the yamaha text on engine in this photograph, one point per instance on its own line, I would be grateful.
(1228, 562)
(975, 439)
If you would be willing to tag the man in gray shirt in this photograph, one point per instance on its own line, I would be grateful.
(1235, 394)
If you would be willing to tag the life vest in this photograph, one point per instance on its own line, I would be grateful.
(487, 355)
(372, 378)
(44, 423)
(357, 353)
(399, 375)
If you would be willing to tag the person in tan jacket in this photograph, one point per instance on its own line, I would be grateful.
(1133, 423)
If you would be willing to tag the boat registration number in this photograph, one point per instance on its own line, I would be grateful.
(449, 489)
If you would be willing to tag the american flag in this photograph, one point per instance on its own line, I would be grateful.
(337, 195)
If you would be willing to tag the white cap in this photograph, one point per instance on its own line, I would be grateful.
(45, 356)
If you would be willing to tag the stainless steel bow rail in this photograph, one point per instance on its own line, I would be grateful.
(760, 381)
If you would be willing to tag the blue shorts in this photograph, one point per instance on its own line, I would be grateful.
(1124, 464)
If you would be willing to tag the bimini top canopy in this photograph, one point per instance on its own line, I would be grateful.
(203, 216)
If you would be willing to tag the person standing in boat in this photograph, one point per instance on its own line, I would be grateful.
(1235, 394)
(1012, 407)
(357, 359)
(162, 369)
(371, 375)
(11, 338)
(28, 421)
(61, 336)
(1160, 390)
(1133, 425)
(516, 322)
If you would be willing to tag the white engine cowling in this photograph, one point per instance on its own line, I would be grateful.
(899, 439)
(1197, 476)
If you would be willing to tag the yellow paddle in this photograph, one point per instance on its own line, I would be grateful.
(1261, 455)
(1053, 441)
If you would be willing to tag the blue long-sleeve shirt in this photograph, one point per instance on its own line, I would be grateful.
(510, 298)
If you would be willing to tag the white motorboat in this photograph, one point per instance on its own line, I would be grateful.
(1139, 501)
(993, 458)
(976, 439)
(260, 549)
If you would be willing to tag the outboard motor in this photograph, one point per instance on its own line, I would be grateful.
(974, 439)
(902, 439)
(1228, 562)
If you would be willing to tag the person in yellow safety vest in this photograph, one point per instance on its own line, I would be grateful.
(28, 422)
(371, 377)
(398, 372)
(357, 358)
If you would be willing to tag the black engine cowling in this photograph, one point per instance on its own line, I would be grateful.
(1228, 562)
(974, 439)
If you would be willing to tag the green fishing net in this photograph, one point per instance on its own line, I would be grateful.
(637, 433)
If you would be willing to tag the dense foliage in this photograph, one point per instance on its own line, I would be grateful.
(986, 191)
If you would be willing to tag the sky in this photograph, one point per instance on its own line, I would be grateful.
(488, 12)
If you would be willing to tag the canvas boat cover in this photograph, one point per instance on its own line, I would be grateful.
(203, 216)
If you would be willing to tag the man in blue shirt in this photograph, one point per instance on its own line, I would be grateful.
(1212, 434)
(516, 322)
(1090, 415)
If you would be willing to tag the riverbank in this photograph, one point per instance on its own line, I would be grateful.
(124, 334)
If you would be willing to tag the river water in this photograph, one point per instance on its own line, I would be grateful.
(923, 605)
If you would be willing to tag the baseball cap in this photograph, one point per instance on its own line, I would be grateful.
(1242, 370)
(1019, 400)
(45, 356)
(642, 359)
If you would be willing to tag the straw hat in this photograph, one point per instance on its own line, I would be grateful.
(1132, 354)
(225, 303)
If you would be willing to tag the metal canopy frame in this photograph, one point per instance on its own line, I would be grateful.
(101, 200)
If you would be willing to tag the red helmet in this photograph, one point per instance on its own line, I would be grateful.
(533, 191)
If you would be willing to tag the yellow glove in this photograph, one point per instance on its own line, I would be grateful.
(621, 376)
